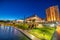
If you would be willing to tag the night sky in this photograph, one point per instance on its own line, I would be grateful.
(17, 9)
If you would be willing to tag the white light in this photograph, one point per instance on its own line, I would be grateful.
(52, 25)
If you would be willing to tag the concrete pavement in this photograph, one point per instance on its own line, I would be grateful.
(28, 34)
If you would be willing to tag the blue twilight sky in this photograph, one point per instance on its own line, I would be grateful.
(17, 9)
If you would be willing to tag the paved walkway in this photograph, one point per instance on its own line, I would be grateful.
(54, 37)
(28, 34)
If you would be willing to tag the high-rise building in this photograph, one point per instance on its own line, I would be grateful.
(52, 14)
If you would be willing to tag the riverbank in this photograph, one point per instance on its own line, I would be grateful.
(35, 33)
(25, 32)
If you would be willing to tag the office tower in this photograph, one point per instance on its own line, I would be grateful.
(52, 14)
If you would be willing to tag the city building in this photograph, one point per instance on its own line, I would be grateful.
(52, 14)
(34, 18)
(20, 21)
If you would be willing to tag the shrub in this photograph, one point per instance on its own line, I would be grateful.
(23, 26)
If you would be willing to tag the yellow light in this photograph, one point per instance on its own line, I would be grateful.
(49, 19)
(58, 29)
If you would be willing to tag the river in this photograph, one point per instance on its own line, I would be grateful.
(10, 33)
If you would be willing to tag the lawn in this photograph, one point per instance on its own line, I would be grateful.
(44, 33)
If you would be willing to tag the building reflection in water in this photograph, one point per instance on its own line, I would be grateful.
(10, 33)
(58, 32)
(56, 35)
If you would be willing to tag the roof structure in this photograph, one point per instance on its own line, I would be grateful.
(34, 17)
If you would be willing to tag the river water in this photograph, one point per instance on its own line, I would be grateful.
(10, 33)
(56, 35)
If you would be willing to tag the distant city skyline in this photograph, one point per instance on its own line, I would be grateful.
(17, 9)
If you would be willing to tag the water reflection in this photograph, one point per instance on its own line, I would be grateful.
(10, 33)
(56, 35)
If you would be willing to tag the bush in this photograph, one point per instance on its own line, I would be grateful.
(23, 26)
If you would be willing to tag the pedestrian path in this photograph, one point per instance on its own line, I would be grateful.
(29, 35)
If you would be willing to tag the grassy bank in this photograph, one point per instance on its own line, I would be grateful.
(44, 33)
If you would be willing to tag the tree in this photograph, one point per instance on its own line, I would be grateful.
(33, 21)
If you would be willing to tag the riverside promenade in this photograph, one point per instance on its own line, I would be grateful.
(28, 34)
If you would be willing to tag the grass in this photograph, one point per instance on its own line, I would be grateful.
(23, 26)
(44, 33)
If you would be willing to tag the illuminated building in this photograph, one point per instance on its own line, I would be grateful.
(52, 14)
(20, 21)
(34, 17)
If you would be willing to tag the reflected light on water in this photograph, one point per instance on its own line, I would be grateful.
(58, 29)
(8, 33)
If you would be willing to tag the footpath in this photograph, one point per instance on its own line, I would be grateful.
(25, 32)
